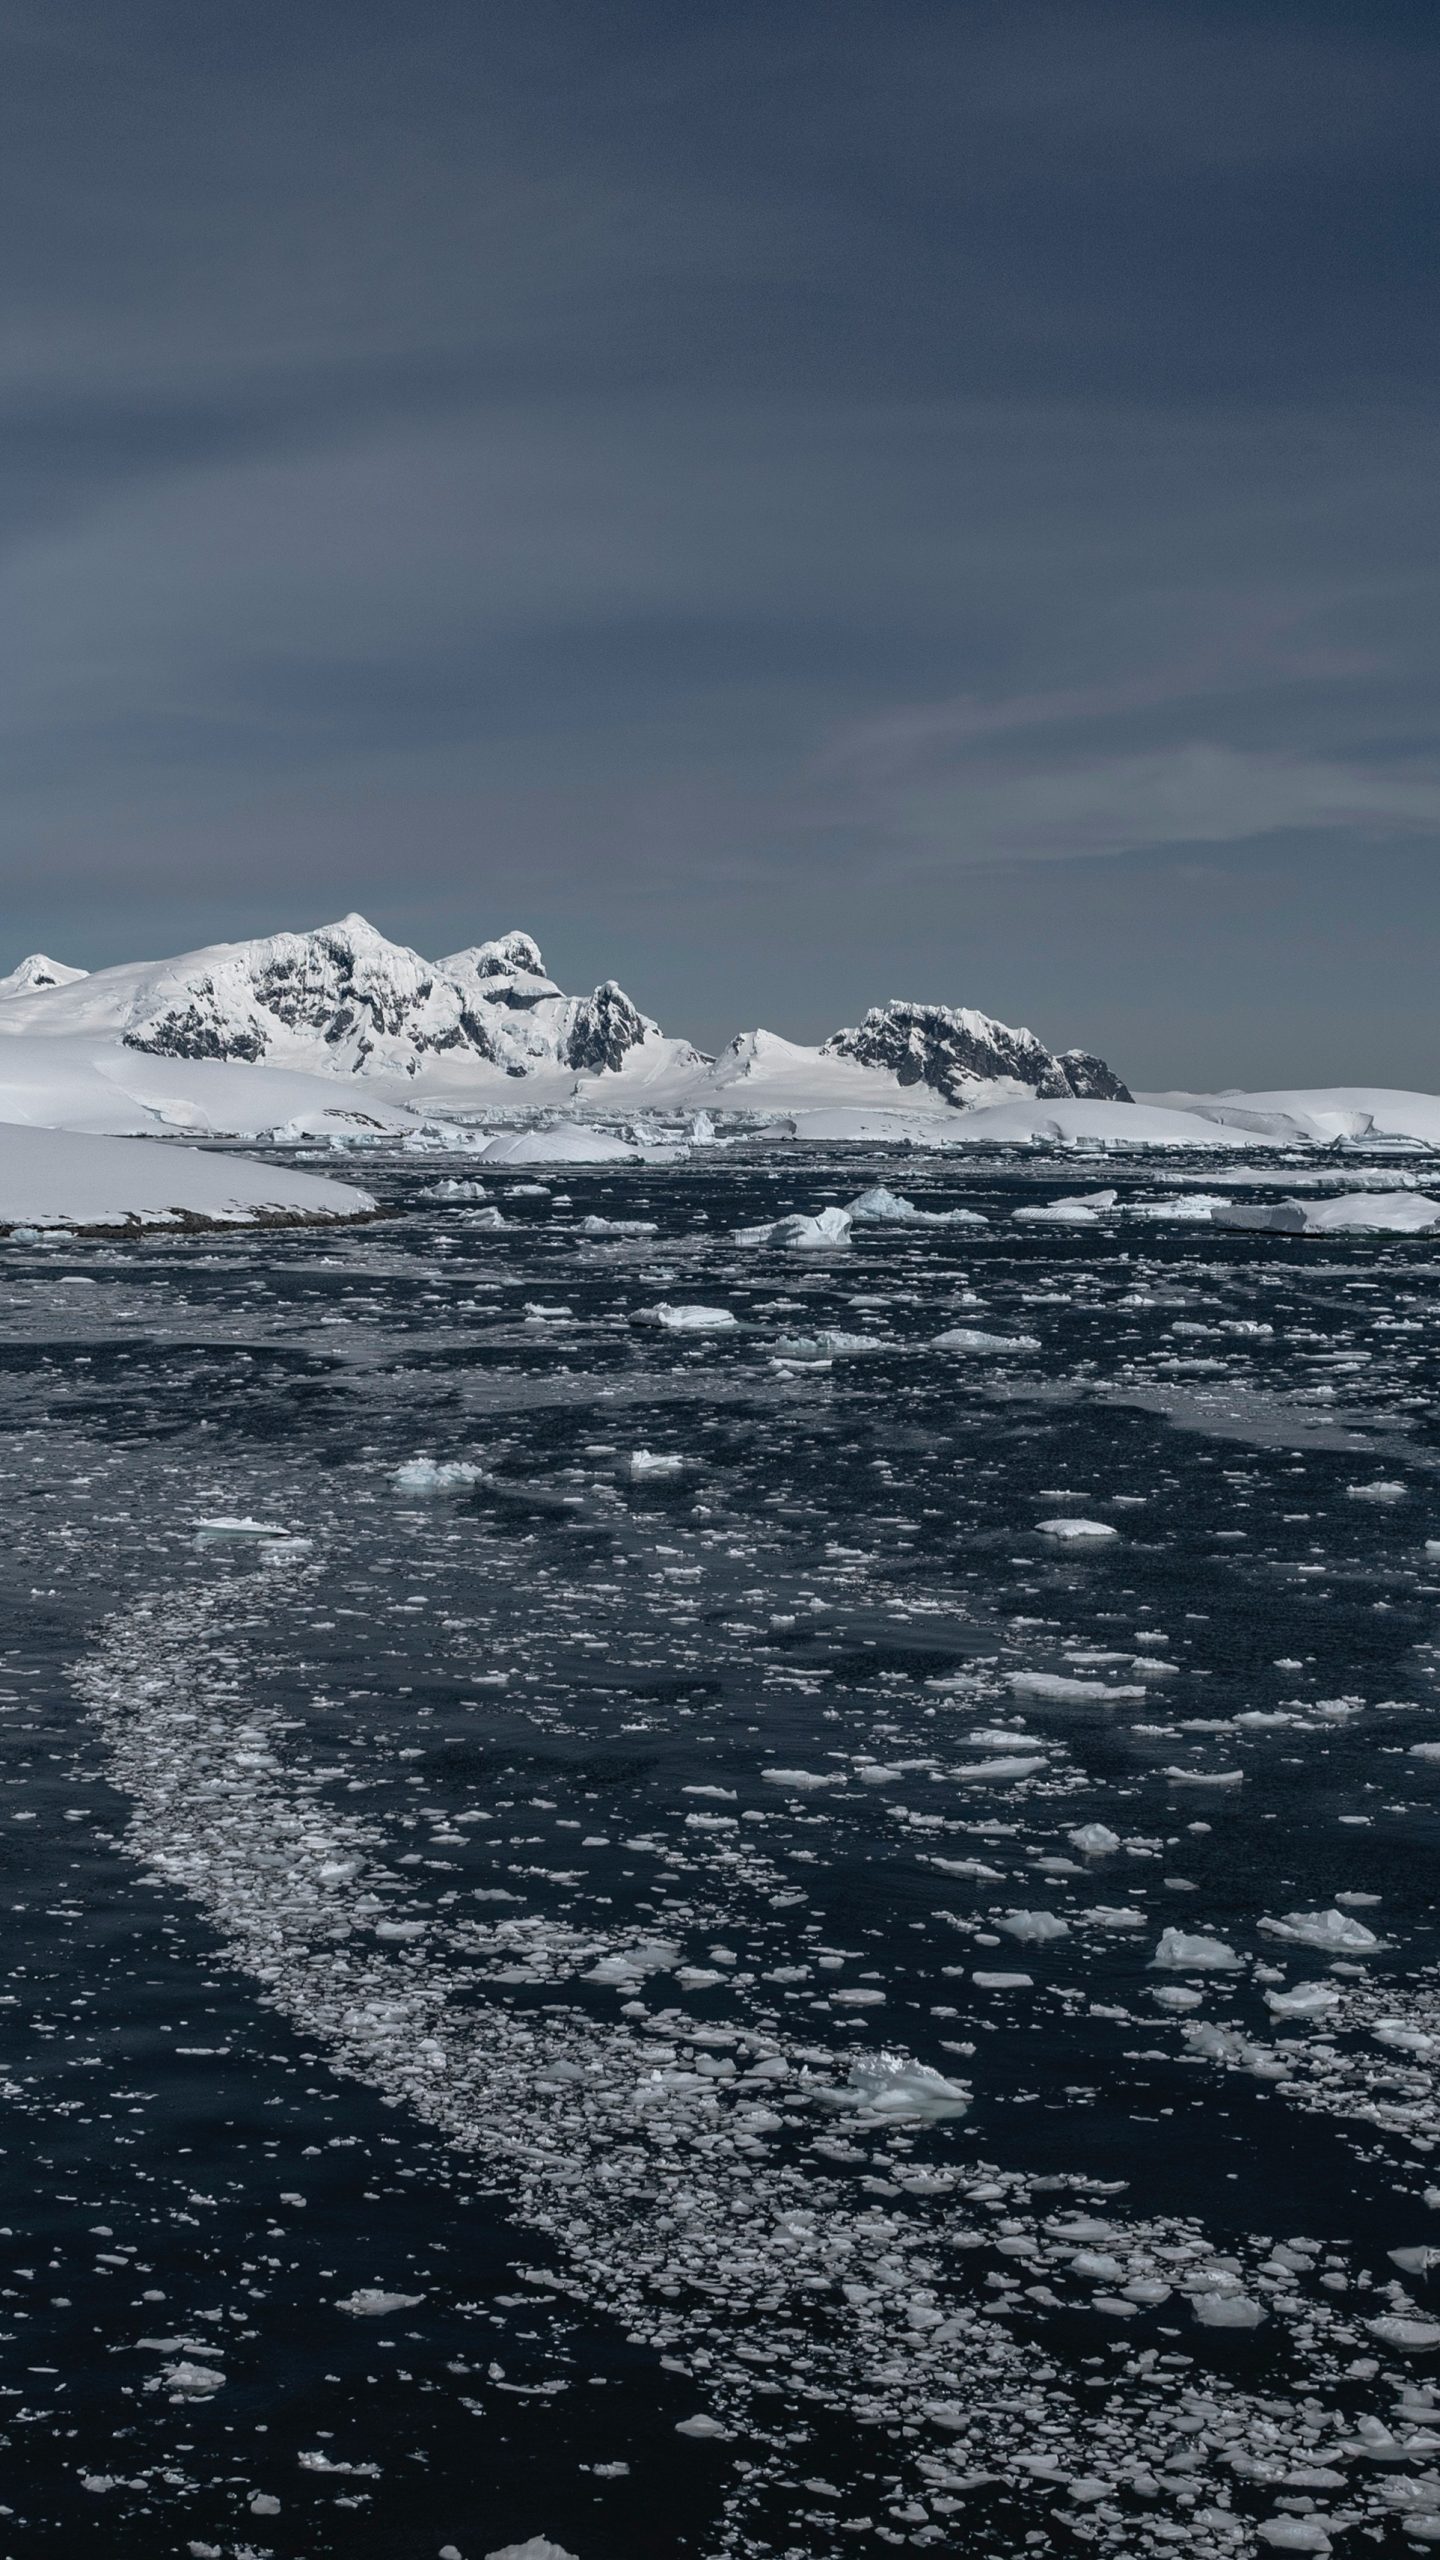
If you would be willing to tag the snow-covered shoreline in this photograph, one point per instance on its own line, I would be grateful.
(53, 1181)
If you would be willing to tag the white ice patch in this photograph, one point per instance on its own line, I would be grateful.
(1333, 1932)
(1191, 1951)
(963, 1337)
(430, 1476)
(1073, 1532)
(824, 1233)
(692, 1319)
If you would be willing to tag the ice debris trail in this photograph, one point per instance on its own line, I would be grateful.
(785, 2291)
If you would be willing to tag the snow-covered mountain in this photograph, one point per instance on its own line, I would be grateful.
(963, 1055)
(343, 1001)
(39, 971)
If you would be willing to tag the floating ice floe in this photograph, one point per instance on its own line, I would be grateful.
(240, 1529)
(829, 1345)
(1189, 1208)
(1228, 2311)
(692, 1319)
(1405, 1213)
(1307, 2000)
(1086, 1209)
(186, 2381)
(1394, 2330)
(1033, 1928)
(368, 2302)
(537, 2548)
(881, 1208)
(1186, 1951)
(824, 1233)
(1067, 1691)
(1333, 1932)
(891, 2087)
(652, 1462)
(1384, 1489)
(619, 1227)
(962, 1337)
(1094, 1839)
(437, 1475)
(1075, 1531)
(567, 1142)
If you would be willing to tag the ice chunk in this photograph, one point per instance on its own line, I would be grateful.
(895, 2088)
(368, 2302)
(700, 2426)
(799, 1234)
(1033, 1927)
(692, 1319)
(1415, 2336)
(1070, 1531)
(1067, 1691)
(650, 1462)
(1295, 2533)
(437, 1475)
(1085, 1209)
(1334, 1932)
(240, 1529)
(964, 1337)
(537, 2548)
(994, 1772)
(882, 1208)
(1094, 1839)
(1229, 2311)
(192, 2381)
(619, 1227)
(1184, 1951)
(1307, 2000)
(1406, 1213)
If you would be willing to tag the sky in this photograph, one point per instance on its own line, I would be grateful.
(792, 504)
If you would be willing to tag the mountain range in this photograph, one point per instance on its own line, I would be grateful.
(344, 1001)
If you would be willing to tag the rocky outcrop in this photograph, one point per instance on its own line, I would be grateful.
(963, 1055)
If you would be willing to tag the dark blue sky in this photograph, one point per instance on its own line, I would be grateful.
(793, 504)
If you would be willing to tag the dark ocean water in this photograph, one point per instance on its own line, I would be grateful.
(453, 2094)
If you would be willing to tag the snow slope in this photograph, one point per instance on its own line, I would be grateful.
(1317, 1115)
(49, 1178)
(99, 1086)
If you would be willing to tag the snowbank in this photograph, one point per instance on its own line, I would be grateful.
(1100, 1128)
(102, 1089)
(51, 1179)
(1315, 1115)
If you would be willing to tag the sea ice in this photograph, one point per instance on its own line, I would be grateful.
(692, 1319)
(799, 1234)
(650, 1462)
(1033, 1927)
(437, 1475)
(537, 2548)
(963, 1337)
(1071, 1530)
(1086, 1209)
(1181, 1951)
(1333, 1932)
(893, 2087)
(881, 1208)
